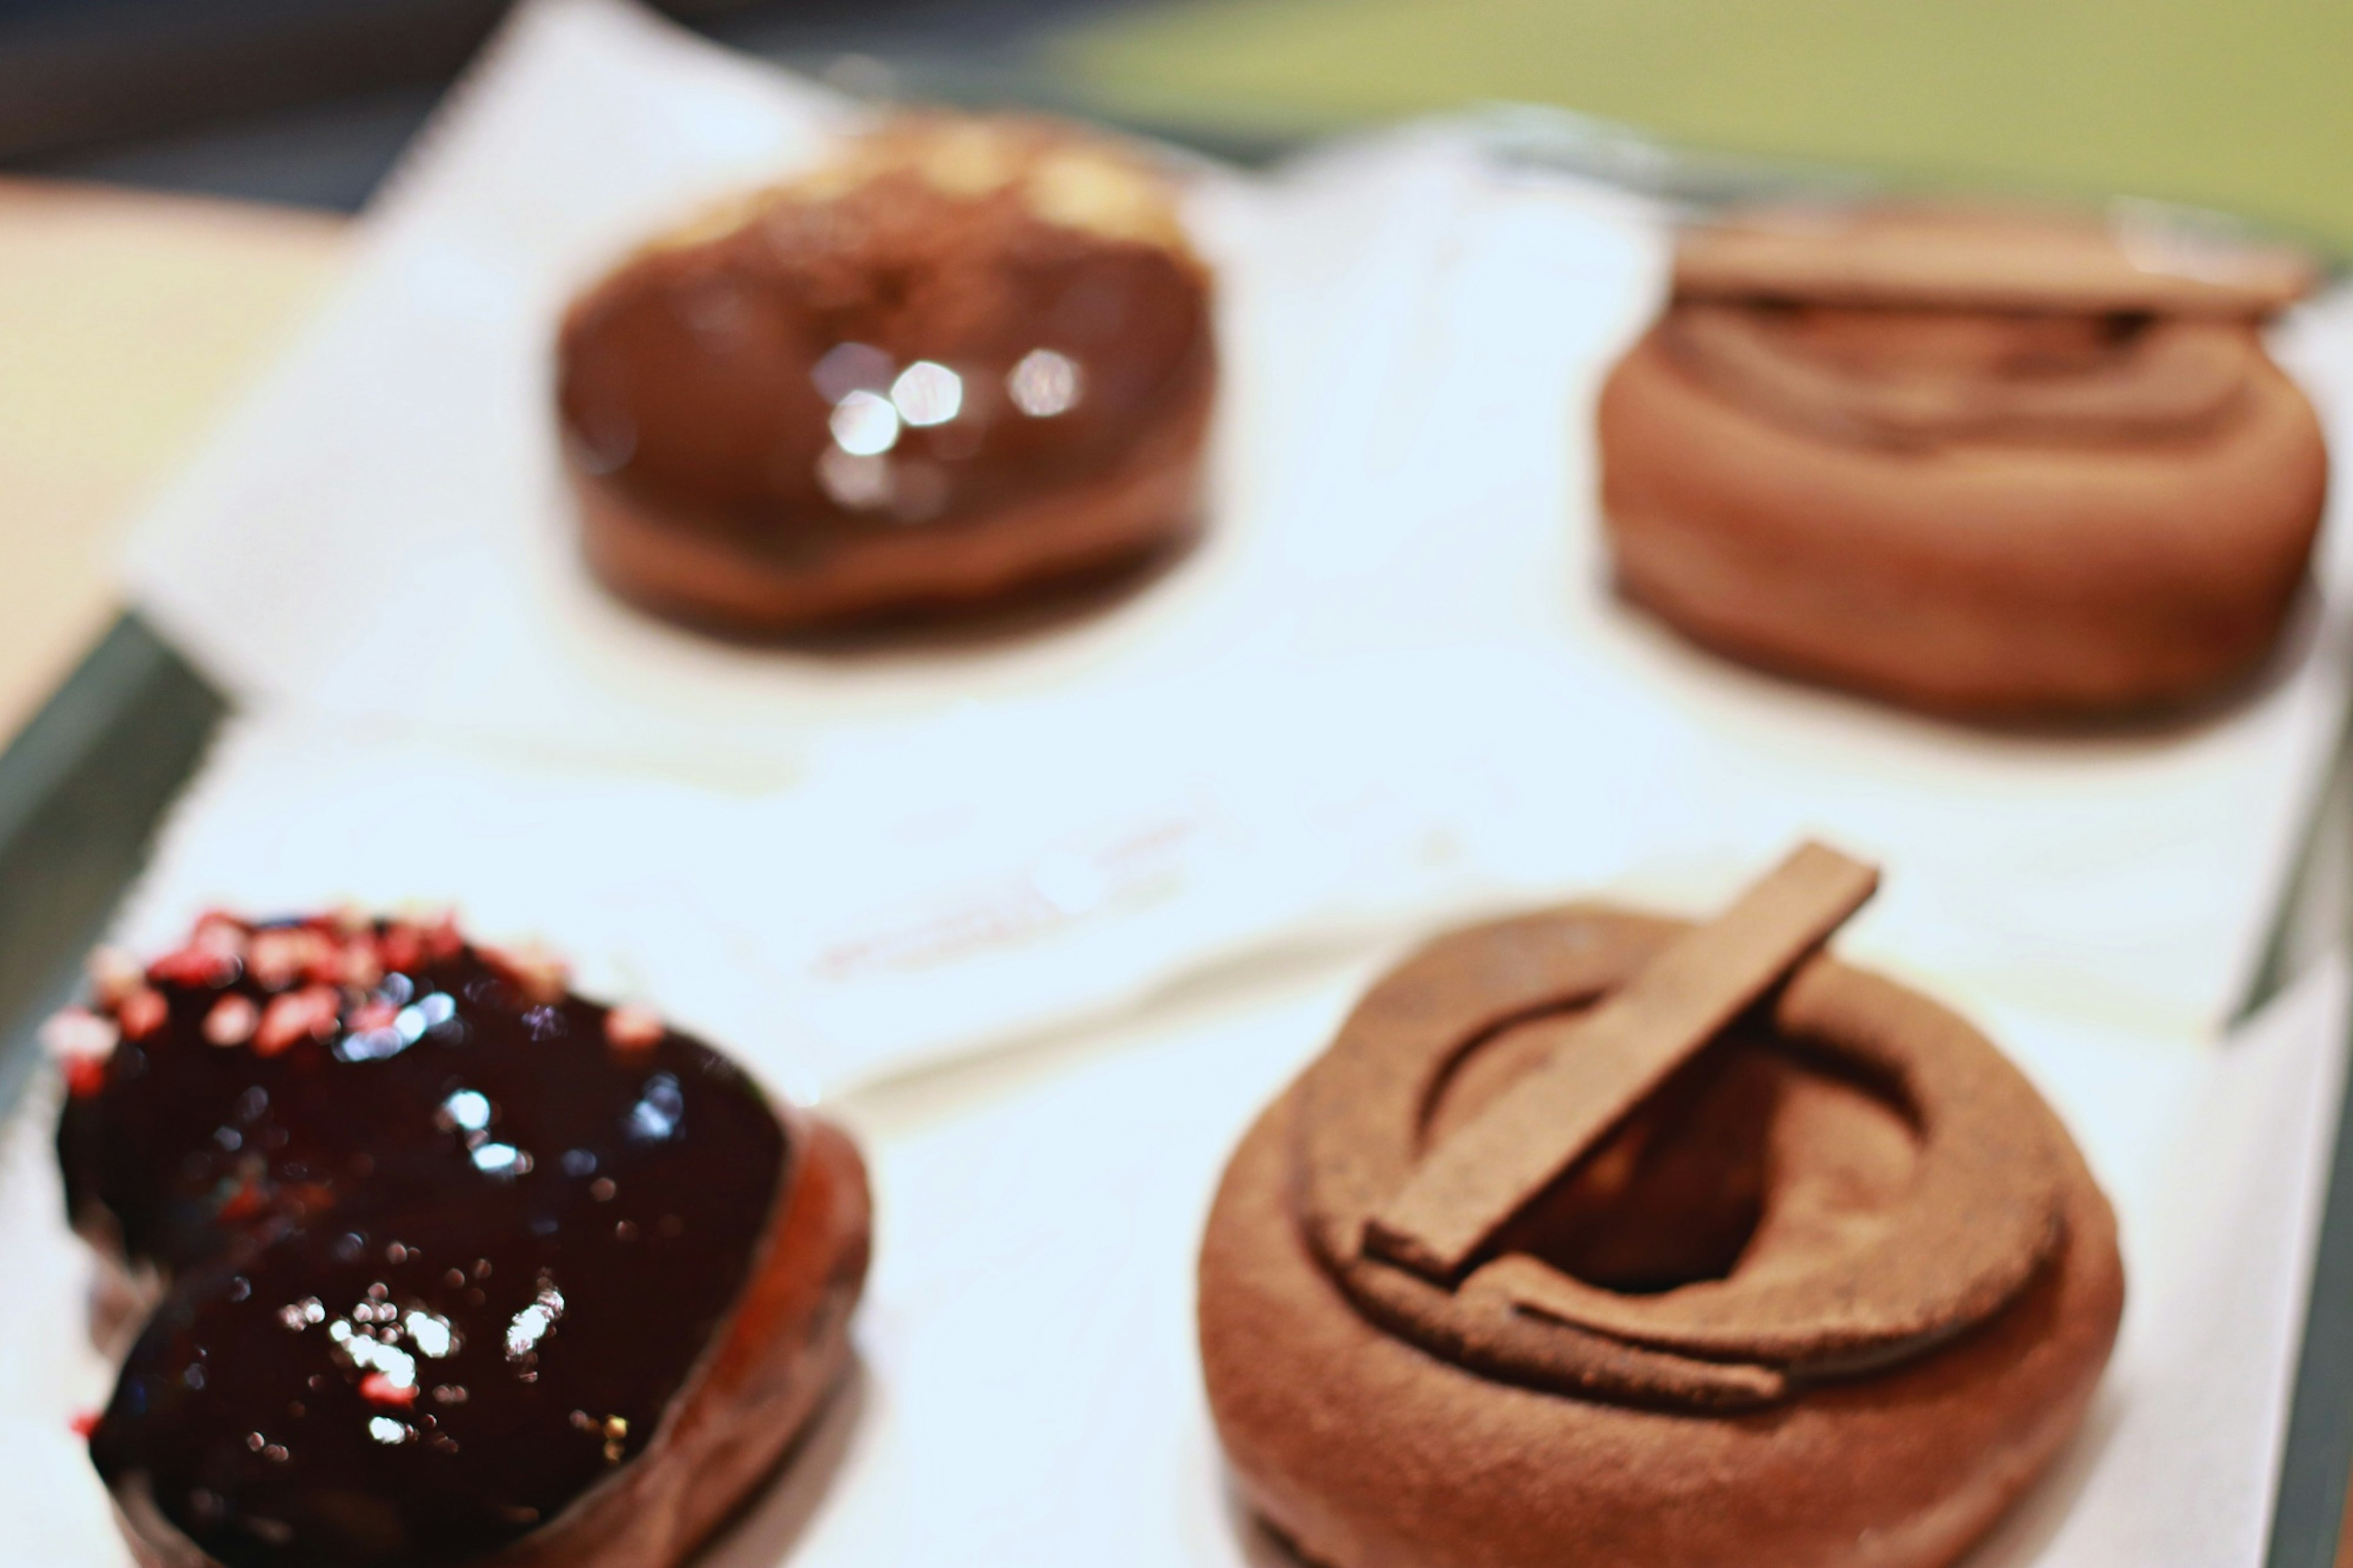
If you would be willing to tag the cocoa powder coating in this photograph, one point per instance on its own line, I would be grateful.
(1835, 1295)
(2001, 466)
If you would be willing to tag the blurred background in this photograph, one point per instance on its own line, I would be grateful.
(2239, 106)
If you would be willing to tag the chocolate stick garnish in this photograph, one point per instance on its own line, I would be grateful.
(1488, 1170)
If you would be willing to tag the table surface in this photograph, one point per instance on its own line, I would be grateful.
(133, 323)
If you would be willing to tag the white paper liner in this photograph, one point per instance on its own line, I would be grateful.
(842, 932)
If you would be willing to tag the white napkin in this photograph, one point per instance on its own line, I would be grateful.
(970, 884)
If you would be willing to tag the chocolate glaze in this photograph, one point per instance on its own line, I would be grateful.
(442, 1251)
(708, 378)
(1375, 1420)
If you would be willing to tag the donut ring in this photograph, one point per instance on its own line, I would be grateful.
(1374, 1418)
(2002, 510)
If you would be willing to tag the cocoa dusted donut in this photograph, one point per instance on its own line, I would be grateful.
(965, 358)
(1498, 1281)
(1997, 465)
(447, 1265)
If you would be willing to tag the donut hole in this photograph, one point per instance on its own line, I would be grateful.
(1887, 375)
(1890, 342)
(1755, 1156)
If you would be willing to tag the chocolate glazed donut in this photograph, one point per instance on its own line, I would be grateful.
(964, 359)
(1995, 466)
(449, 1265)
(1833, 1294)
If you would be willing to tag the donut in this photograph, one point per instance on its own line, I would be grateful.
(1999, 466)
(443, 1264)
(1832, 1287)
(965, 360)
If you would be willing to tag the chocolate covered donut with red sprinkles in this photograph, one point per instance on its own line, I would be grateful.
(449, 1264)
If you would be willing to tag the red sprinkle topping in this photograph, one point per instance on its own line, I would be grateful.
(378, 1389)
(373, 1014)
(194, 965)
(310, 1012)
(141, 1014)
(359, 964)
(287, 953)
(113, 975)
(232, 1020)
(78, 1032)
(85, 1077)
(634, 1028)
(443, 940)
(245, 1202)
(538, 973)
(84, 1424)
(401, 947)
(220, 933)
